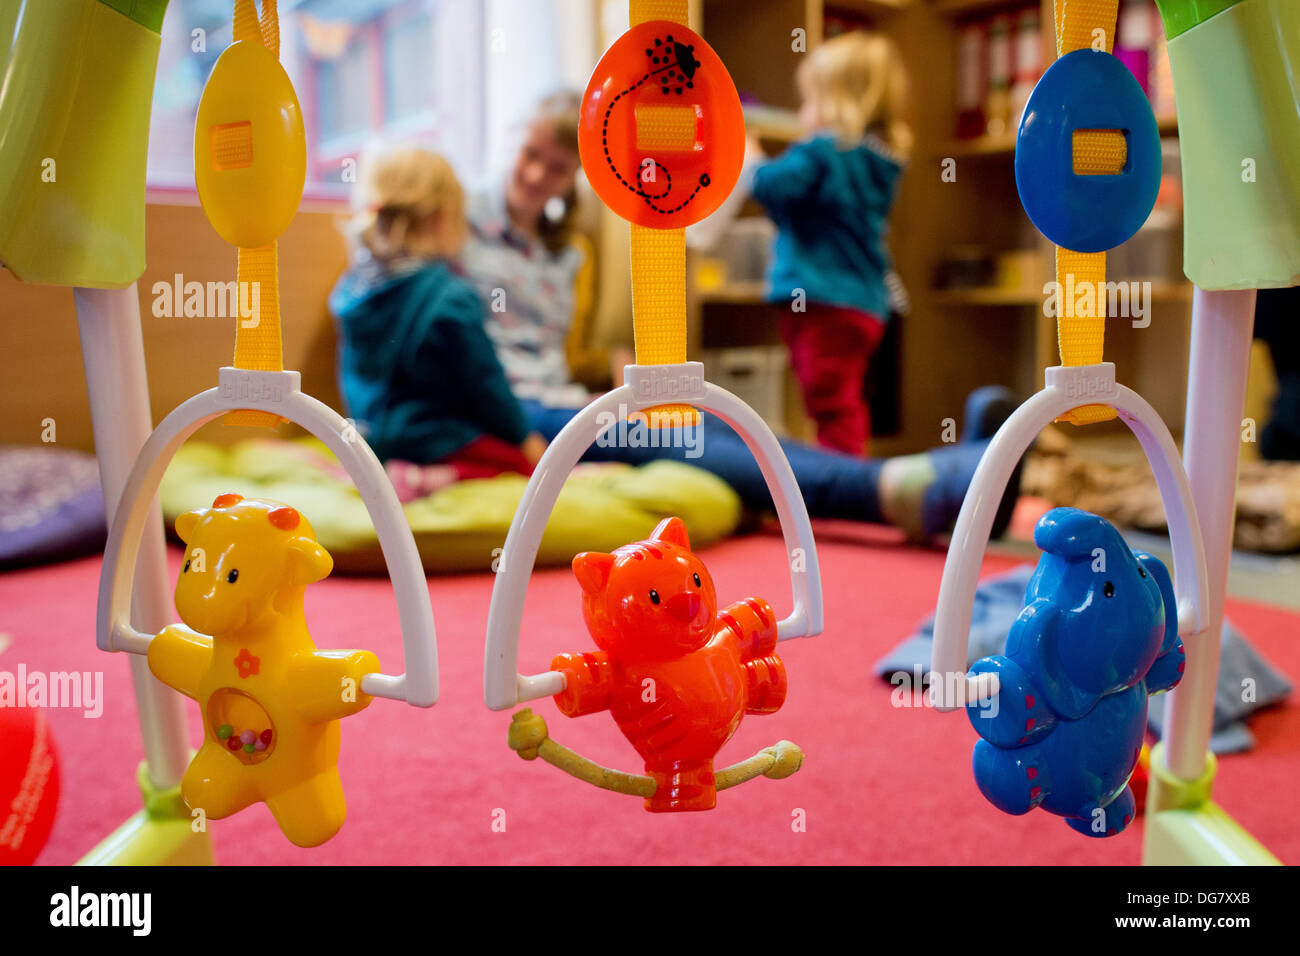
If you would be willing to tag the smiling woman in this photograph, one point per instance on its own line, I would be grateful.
(519, 255)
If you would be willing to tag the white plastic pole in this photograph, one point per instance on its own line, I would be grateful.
(1222, 327)
(112, 349)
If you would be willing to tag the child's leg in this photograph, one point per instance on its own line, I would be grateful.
(829, 351)
(484, 457)
(833, 485)
(873, 331)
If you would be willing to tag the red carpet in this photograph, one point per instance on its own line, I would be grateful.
(880, 784)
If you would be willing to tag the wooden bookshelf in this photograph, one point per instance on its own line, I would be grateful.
(954, 340)
(874, 6)
(1176, 292)
(958, 8)
(1006, 144)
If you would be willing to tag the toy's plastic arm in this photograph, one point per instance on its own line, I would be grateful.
(767, 684)
(588, 678)
(754, 623)
(327, 684)
(529, 738)
(1018, 715)
(179, 657)
(1167, 669)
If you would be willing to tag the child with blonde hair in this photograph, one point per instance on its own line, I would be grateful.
(830, 196)
(416, 368)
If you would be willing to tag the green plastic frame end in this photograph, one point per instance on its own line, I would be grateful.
(1184, 827)
(147, 13)
(162, 834)
(1181, 15)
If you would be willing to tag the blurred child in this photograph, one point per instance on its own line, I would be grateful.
(830, 197)
(416, 369)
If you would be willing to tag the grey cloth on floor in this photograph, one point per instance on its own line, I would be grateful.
(998, 601)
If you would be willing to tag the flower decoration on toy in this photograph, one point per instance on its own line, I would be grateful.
(1097, 635)
(662, 133)
(270, 701)
(676, 674)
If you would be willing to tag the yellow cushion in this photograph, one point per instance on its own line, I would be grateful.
(458, 528)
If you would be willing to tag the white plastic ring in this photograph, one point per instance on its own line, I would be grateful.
(647, 386)
(280, 394)
(1066, 388)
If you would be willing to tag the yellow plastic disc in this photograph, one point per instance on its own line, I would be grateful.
(250, 149)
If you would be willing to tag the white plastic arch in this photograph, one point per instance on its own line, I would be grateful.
(645, 386)
(1066, 388)
(277, 392)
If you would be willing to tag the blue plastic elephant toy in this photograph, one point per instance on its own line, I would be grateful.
(1098, 633)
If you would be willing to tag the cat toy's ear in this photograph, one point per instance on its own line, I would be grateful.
(672, 531)
(592, 570)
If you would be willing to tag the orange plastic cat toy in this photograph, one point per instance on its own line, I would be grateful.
(676, 674)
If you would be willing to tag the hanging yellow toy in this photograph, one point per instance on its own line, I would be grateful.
(270, 700)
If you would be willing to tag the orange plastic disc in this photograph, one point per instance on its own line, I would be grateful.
(662, 135)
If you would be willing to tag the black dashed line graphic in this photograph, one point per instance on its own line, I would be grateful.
(646, 197)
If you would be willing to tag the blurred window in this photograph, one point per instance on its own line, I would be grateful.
(455, 76)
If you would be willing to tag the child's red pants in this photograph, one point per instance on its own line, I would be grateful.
(830, 348)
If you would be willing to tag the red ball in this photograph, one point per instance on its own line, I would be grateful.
(29, 784)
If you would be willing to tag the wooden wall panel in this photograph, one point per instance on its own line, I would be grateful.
(41, 373)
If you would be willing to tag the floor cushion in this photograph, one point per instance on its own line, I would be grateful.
(51, 506)
(461, 527)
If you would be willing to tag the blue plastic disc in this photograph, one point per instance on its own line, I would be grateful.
(1086, 89)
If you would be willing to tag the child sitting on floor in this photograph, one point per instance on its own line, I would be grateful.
(416, 369)
(830, 197)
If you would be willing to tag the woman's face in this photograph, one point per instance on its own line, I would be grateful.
(543, 170)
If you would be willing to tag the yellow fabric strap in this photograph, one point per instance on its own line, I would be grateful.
(259, 342)
(1081, 339)
(1076, 21)
(659, 309)
(642, 11)
(246, 26)
(659, 255)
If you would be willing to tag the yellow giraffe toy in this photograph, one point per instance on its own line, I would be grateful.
(270, 701)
